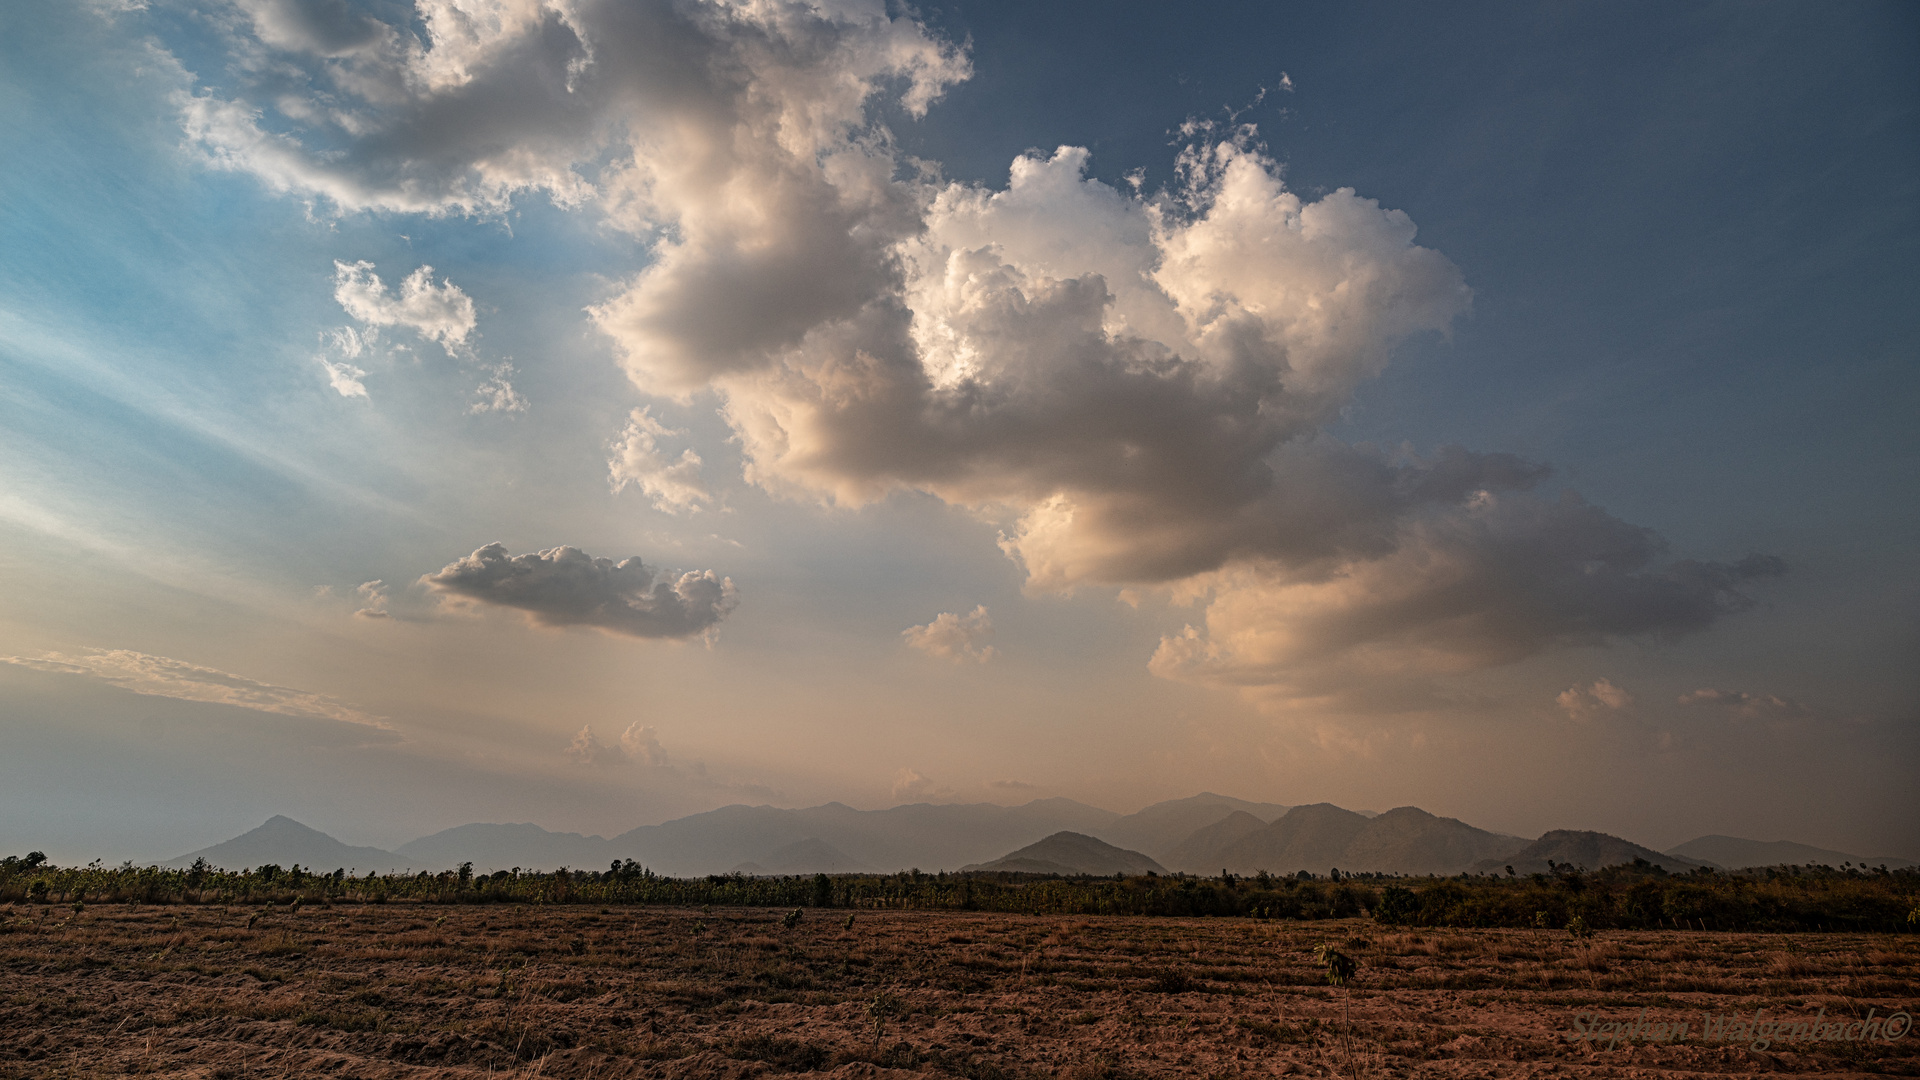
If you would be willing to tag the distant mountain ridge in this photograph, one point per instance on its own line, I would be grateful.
(1220, 833)
(1736, 854)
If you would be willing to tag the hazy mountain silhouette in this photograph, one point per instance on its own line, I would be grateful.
(1072, 853)
(1321, 837)
(1312, 838)
(926, 836)
(1165, 825)
(1202, 835)
(1736, 854)
(1408, 840)
(810, 856)
(1204, 852)
(283, 841)
(1574, 847)
(503, 847)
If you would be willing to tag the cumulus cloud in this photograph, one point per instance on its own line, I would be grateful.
(565, 586)
(638, 745)
(1134, 384)
(1013, 785)
(641, 743)
(910, 785)
(954, 637)
(374, 595)
(161, 676)
(673, 484)
(587, 749)
(1582, 702)
(441, 313)
(702, 117)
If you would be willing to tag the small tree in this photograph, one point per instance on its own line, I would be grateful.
(1341, 970)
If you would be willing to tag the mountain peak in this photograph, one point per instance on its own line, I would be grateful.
(1072, 853)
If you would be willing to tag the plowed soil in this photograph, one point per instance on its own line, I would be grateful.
(417, 992)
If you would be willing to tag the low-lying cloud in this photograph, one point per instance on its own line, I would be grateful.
(1741, 704)
(910, 786)
(565, 586)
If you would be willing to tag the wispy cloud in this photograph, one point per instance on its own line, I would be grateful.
(160, 676)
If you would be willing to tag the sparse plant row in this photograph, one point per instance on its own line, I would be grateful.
(1624, 897)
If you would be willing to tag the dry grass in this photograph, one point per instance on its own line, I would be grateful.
(471, 991)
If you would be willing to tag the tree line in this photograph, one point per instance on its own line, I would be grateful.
(1630, 897)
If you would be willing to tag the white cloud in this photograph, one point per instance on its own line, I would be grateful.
(497, 393)
(673, 484)
(565, 586)
(160, 676)
(344, 377)
(954, 637)
(441, 313)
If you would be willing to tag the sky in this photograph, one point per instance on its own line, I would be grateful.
(590, 413)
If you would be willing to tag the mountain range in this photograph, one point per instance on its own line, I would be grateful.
(1203, 834)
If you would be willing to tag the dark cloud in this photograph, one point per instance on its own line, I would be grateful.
(565, 586)
(1490, 582)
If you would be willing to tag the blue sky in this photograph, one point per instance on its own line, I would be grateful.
(1164, 503)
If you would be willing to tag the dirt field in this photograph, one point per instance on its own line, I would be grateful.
(408, 991)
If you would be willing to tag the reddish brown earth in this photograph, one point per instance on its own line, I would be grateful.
(414, 991)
